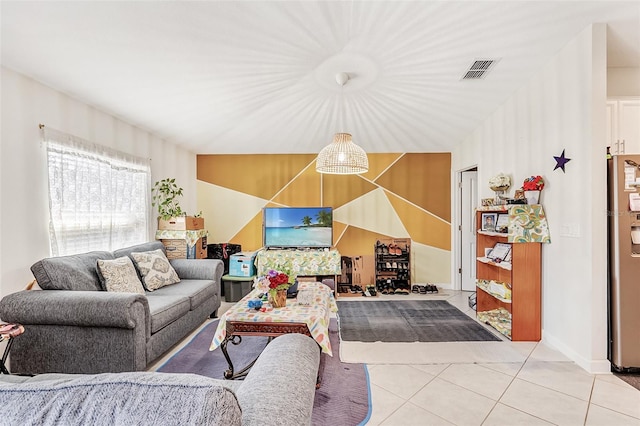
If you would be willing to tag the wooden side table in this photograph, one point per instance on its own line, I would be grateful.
(8, 332)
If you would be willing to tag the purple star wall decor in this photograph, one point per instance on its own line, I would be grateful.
(561, 161)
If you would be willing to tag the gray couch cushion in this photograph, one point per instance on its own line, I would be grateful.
(150, 246)
(75, 272)
(197, 291)
(166, 309)
(124, 398)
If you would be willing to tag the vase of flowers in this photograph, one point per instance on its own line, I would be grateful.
(275, 283)
(279, 300)
(532, 187)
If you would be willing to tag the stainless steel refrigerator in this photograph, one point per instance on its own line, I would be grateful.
(624, 262)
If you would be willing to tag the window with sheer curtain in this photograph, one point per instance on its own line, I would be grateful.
(98, 197)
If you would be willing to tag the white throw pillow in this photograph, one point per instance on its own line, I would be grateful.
(155, 269)
(119, 275)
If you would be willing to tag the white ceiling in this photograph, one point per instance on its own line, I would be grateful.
(259, 77)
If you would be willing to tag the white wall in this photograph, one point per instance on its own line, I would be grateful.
(23, 184)
(623, 82)
(562, 107)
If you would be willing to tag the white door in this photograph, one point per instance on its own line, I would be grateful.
(468, 203)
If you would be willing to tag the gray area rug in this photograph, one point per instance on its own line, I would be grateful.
(343, 397)
(408, 321)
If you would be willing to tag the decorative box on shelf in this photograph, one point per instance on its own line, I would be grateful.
(181, 223)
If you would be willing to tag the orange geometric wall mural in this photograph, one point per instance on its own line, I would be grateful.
(401, 196)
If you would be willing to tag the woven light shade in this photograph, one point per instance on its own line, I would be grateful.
(342, 157)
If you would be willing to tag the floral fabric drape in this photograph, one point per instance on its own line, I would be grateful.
(299, 262)
(528, 224)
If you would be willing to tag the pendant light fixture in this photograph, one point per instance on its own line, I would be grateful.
(342, 156)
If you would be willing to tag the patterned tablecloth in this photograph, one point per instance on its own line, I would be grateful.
(190, 236)
(299, 262)
(316, 315)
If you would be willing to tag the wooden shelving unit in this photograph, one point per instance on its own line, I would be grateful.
(519, 317)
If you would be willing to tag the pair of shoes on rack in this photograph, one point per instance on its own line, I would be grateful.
(424, 288)
(401, 291)
(395, 250)
(355, 289)
(370, 291)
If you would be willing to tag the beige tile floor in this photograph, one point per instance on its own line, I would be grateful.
(519, 383)
(541, 388)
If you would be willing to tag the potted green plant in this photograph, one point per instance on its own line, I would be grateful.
(165, 195)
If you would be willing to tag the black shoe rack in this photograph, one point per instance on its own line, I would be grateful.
(393, 266)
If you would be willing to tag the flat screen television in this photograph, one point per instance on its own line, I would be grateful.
(297, 227)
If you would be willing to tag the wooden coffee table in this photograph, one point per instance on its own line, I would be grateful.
(311, 320)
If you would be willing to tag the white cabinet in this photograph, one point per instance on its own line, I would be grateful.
(623, 125)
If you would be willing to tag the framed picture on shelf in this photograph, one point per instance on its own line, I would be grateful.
(502, 223)
(489, 222)
(500, 252)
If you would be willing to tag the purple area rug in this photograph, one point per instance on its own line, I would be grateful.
(342, 400)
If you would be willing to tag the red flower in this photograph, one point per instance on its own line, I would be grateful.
(280, 278)
(533, 183)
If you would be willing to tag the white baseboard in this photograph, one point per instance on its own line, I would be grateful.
(592, 366)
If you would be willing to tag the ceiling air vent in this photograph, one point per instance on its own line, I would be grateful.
(478, 69)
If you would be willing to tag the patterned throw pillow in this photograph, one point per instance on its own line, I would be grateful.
(119, 275)
(155, 269)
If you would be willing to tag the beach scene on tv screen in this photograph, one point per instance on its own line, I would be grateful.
(298, 227)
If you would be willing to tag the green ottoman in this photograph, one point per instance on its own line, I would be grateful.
(235, 288)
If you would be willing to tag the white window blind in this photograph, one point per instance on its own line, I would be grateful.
(98, 197)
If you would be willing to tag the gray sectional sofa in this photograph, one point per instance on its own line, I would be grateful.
(279, 390)
(74, 326)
